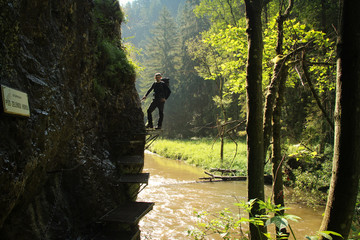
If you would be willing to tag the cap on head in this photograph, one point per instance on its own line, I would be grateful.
(157, 74)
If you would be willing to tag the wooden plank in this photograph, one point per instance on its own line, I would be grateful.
(129, 213)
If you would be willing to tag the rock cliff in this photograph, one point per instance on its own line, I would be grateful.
(58, 167)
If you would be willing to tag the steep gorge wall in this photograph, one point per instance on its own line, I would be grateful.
(58, 168)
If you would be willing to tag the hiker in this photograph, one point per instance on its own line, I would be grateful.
(161, 93)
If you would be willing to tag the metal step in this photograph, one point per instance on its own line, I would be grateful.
(140, 178)
(152, 135)
(129, 213)
(131, 142)
(131, 160)
(118, 236)
(135, 178)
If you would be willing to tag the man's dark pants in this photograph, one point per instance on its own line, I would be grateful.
(156, 103)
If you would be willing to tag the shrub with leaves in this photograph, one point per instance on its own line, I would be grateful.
(228, 225)
(311, 178)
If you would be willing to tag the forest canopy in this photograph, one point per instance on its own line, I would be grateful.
(202, 47)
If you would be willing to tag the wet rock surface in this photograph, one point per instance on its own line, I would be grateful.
(58, 168)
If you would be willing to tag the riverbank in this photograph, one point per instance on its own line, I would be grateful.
(204, 153)
(306, 188)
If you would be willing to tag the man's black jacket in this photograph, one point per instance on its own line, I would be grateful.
(161, 90)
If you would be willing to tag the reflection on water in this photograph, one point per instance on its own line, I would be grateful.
(173, 188)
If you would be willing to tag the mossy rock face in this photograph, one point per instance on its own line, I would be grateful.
(58, 168)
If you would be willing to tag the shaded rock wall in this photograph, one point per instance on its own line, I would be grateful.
(58, 170)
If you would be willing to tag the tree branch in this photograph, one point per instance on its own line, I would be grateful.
(311, 86)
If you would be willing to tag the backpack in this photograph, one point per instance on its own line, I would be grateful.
(167, 88)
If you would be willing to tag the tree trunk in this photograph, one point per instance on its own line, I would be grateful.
(312, 89)
(272, 113)
(278, 185)
(280, 72)
(269, 108)
(274, 85)
(346, 163)
(254, 112)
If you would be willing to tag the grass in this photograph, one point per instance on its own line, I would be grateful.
(204, 153)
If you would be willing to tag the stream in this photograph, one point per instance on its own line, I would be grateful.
(174, 188)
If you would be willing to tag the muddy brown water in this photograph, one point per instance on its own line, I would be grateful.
(174, 188)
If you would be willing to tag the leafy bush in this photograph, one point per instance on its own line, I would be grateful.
(311, 177)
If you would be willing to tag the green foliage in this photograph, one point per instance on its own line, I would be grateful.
(223, 54)
(221, 12)
(114, 63)
(318, 14)
(132, 52)
(355, 227)
(108, 16)
(224, 224)
(99, 90)
(228, 225)
(215, 65)
(113, 66)
(323, 234)
(319, 48)
(312, 177)
(303, 153)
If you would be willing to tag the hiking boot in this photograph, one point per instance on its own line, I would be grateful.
(158, 128)
(149, 126)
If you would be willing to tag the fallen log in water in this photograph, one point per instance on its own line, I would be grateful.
(223, 170)
(226, 178)
(267, 178)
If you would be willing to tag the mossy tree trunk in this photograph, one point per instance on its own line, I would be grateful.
(255, 136)
(279, 76)
(346, 162)
(278, 189)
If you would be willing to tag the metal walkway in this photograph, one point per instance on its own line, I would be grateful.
(135, 178)
(129, 213)
(151, 136)
(131, 160)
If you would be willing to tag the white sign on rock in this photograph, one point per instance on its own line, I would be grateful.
(15, 102)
